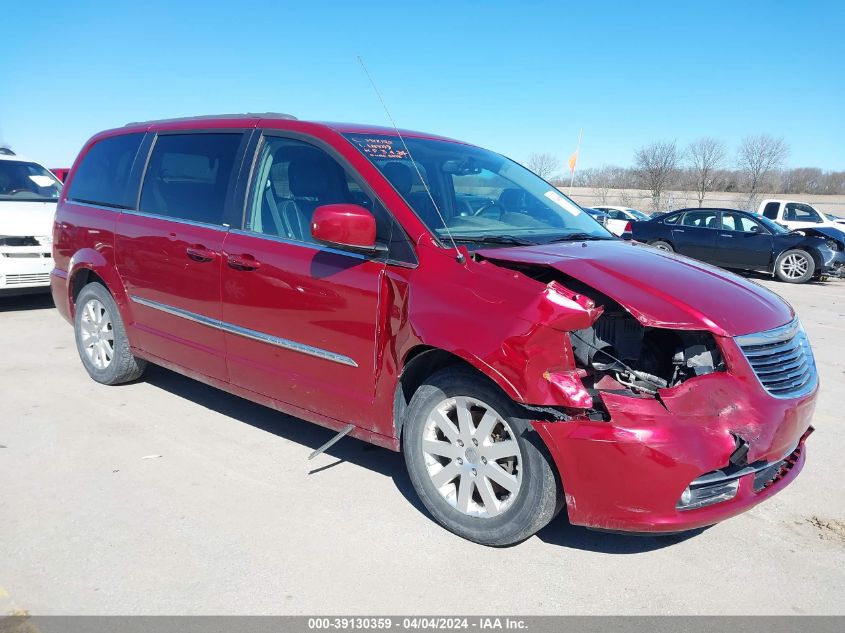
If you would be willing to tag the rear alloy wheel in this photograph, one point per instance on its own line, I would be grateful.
(97, 334)
(101, 338)
(479, 468)
(795, 266)
(663, 246)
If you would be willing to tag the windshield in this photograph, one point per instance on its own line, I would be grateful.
(482, 196)
(773, 226)
(22, 181)
(638, 215)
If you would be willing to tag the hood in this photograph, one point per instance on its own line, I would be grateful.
(660, 289)
(26, 218)
(827, 232)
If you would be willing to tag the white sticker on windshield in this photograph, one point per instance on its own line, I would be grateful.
(560, 201)
(41, 181)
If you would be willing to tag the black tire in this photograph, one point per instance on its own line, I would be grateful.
(663, 246)
(123, 366)
(785, 270)
(539, 497)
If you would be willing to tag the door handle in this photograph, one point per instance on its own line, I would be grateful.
(678, 230)
(200, 253)
(725, 235)
(243, 262)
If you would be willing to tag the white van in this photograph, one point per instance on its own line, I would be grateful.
(28, 195)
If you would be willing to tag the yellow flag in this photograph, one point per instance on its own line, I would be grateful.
(572, 160)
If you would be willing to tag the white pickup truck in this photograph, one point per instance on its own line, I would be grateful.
(796, 215)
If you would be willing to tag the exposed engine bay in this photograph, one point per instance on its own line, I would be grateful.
(641, 358)
(619, 353)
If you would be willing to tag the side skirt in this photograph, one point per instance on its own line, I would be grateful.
(357, 432)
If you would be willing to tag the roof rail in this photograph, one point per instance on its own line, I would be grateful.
(205, 117)
(7, 151)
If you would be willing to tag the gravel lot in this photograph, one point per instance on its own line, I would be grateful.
(232, 518)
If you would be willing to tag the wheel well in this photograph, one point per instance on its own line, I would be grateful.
(82, 278)
(817, 257)
(420, 363)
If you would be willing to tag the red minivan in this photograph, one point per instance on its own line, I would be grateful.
(438, 299)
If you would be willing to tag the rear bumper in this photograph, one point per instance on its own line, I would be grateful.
(629, 474)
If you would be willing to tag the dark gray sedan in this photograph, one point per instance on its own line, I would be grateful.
(740, 240)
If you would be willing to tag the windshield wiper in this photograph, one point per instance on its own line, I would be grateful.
(494, 239)
(578, 237)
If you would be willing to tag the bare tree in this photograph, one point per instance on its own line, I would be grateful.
(656, 165)
(758, 157)
(706, 156)
(601, 182)
(544, 165)
(802, 180)
(833, 182)
(605, 180)
(625, 198)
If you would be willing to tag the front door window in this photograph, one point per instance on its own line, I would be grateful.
(797, 212)
(293, 178)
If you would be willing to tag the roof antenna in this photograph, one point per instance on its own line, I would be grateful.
(460, 256)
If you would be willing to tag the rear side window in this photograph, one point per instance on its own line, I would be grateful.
(771, 210)
(739, 222)
(103, 175)
(188, 176)
(701, 219)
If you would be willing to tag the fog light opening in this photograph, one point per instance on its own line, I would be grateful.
(699, 496)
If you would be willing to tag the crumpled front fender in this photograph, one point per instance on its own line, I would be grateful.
(516, 332)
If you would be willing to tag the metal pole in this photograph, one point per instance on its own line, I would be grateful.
(577, 151)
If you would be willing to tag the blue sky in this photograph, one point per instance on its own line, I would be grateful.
(517, 77)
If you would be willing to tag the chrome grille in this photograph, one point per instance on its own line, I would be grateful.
(781, 359)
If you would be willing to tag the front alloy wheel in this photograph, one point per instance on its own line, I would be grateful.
(795, 266)
(475, 460)
(472, 457)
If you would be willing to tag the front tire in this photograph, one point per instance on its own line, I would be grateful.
(795, 266)
(101, 338)
(476, 464)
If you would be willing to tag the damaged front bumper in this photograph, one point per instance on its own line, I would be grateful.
(633, 472)
(834, 264)
(723, 485)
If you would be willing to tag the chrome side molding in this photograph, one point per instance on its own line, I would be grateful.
(255, 335)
